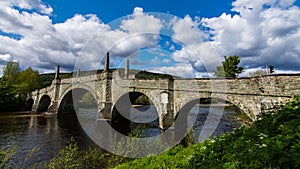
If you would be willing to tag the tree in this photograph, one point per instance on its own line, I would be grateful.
(7, 95)
(15, 84)
(229, 67)
(28, 80)
(11, 70)
(23, 81)
(87, 98)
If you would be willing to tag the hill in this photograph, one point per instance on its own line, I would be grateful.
(48, 78)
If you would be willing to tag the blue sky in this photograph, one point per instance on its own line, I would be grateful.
(110, 10)
(182, 38)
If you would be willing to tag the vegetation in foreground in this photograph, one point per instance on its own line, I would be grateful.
(271, 142)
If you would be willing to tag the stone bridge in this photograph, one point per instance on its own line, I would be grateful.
(170, 96)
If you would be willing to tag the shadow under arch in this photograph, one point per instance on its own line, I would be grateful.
(133, 109)
(28, 104)
(75, 106)
(75, 99)
(44, 103)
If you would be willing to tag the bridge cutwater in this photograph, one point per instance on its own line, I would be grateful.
(172, 96)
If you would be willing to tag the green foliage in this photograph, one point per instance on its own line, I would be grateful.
(71, 157)
(188, 139)
(271, 142)
(28, 156)
(46, 79)
(27, 80)
(229, 67)
(138, 132)
(88, 98)
(132, 147)
(67, 158)
(7, 95)
(143, 100)
(149, 75)
(15, 84)
(23, 81)
(5, 155)
(11, 70)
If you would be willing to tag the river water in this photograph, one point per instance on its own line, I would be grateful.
(49, 134)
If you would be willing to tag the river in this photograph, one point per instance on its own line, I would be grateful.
(49, 134)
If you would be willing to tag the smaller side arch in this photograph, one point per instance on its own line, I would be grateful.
(245, 104)
(181, 118)
(44, 103)
(29, 103)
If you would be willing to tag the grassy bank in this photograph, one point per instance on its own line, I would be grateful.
(271, 142)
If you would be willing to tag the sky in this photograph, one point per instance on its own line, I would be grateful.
(182, 38)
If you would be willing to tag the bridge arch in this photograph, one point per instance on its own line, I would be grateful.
(29, 103)
(70, 100)
(186, 118)
(248, 105)
(132, 100)
(44, 103)
(207, 101)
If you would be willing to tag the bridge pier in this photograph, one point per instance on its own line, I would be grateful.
(105, 111)
(35, 100)
(166, 118)
(53, 108)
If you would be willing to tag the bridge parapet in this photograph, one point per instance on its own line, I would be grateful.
(81, 79)
(277, 85)
(46, 90)
(252, 95)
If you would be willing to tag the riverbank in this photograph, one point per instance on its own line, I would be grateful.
(272, 142)
(21, 114)
(50, 134)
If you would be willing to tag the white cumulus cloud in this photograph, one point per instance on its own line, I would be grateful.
(43, 45)
(262, 32)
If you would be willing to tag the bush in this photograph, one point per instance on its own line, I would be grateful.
(92, 158)
(5, 155)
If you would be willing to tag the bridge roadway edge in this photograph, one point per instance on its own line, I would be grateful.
(253, 95)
